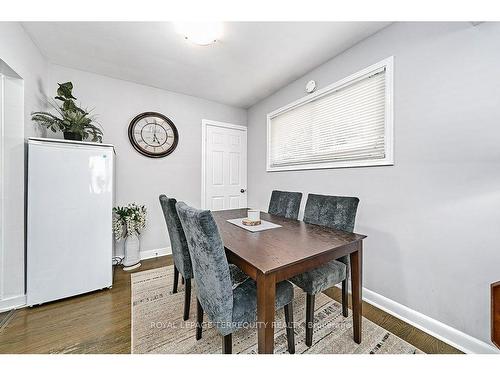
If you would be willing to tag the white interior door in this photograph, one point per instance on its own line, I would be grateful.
(224, 180)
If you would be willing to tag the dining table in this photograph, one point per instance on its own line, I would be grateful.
(277, 254)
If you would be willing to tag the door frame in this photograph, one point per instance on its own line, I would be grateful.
(11, 116)
(2, 167)
(204, 124)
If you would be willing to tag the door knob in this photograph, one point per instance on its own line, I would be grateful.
(243, 190)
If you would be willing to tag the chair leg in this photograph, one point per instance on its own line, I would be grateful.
(227, 344)
(187, 299)
(309, 318)
(345, 303)
(176, 280)
(199, 319)
(290, 334)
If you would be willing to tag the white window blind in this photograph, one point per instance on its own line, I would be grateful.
(345, 124)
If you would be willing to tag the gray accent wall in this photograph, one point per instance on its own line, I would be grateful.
(433, 218)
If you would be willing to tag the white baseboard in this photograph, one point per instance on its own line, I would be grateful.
(433, 327)
(12, 303)
(153, 253)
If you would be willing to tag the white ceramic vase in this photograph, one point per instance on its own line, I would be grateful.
(132, 247)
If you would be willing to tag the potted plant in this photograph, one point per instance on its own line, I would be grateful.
(128, 221)
(75, 123)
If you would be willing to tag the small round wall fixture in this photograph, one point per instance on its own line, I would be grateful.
(310, 86)
(153, 135)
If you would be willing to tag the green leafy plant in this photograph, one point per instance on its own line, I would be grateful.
(128, 220)
(69, 117)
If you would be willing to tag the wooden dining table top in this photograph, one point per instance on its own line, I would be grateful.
(272, 249)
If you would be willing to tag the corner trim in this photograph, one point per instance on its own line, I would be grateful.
(433, 327)
(13, 303)
(2, 199)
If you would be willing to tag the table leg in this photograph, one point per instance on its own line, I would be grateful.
(266, 293)
(356, 280)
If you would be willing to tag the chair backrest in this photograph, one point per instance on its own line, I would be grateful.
(331, 211)
(211, 270)
(178, 242)
(285, 204)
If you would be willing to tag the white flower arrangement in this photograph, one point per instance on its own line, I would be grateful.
(128, 220)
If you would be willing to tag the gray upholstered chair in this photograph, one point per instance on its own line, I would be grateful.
(285, 204)
(338, 213)
(228, 307)
(180, 252)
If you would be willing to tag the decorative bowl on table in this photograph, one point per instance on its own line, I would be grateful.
(250, 222)
(253, 218)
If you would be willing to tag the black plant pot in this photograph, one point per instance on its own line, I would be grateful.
(72, 136)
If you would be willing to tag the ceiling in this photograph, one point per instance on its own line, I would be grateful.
(249, 62)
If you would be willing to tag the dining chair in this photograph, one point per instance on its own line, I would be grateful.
(228, 307)
(285, 204)
(338, 213)
(180, 253)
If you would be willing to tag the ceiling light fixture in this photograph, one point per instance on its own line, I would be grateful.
(201, 33)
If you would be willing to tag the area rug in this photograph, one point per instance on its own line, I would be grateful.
(158, 327)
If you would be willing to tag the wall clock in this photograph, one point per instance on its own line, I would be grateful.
(153, 134)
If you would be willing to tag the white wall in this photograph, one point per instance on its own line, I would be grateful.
(20, 55)
(432, 219)
(19, 52)
(138, 178)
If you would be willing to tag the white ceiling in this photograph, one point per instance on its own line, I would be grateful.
(251, 61)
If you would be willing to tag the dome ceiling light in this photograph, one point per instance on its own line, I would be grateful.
(200, 33)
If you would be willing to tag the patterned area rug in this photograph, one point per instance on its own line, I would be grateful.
(157, 325)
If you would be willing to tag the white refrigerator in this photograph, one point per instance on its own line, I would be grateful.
(69, 218)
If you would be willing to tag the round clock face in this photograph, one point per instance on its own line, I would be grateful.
(153, 134)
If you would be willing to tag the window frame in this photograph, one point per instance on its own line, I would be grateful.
(388, 160)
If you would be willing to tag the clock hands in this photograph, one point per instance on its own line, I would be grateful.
(155, 138)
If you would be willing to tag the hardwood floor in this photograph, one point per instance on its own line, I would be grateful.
(99, 322)
(4, 317)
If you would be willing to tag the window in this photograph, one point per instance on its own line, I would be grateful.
(347, 124)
